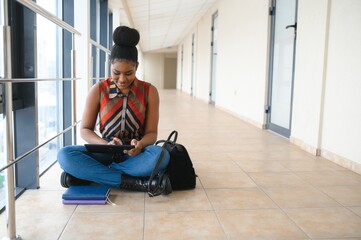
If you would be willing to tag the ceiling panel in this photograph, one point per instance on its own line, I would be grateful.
(163, 23)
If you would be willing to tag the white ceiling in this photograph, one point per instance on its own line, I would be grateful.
(162, 23)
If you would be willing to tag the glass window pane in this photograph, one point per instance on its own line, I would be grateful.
(2, 142)
(2, 159)
(48, 62)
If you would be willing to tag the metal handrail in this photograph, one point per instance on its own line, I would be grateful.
(104, 49)
(38, 9)
(107, 51)
(7, 80)
(18, 159)
(19, 80)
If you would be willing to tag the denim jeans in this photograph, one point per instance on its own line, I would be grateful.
(101, 168)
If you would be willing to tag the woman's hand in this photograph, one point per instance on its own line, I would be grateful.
(115, 141)
(136, 150)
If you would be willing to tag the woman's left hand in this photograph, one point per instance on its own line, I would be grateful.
(136, 150)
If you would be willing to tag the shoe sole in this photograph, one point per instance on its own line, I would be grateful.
(166, 185)
(63, 180)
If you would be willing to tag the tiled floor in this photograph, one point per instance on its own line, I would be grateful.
(252, 184)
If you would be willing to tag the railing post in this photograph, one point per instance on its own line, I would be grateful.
(9, 137)
(73, 74)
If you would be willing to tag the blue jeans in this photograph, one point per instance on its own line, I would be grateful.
(101, 168)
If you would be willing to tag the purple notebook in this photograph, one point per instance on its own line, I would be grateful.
(85, 202)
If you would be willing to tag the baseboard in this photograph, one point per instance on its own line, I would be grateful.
(247, 120)
(346, 163)
(343, 162)
(304, 146)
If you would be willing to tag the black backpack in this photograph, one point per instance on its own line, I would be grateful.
(180, 169)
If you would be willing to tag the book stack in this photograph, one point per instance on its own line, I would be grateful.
(87, 195)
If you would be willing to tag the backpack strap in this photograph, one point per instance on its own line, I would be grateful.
(154, 173)
(175, 133)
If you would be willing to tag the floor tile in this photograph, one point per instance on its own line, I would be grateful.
(301, 196)
(354, 175)
(183, 225)
(270, 179)
(251, 155)
(122, 201)
(205, 156)
(96, 226)
(311, 165)
(356, 210)
(346, 195)
(261, 166)
(40, 225)
(335, 222)
(328, 178)
(38, 201)
(51, 179)
(189, 200)
(216, 166)
(259, 224)
(225, 180)
(239, 198)
(337, 238)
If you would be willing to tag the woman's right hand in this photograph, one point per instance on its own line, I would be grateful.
(115, 141)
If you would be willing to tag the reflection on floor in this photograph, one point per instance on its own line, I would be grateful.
(252, 184)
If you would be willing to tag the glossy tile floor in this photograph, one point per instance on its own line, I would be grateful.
(252, 184)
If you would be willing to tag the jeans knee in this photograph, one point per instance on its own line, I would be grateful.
(65, 155)
(157, 151)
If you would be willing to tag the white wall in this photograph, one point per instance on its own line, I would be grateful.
(242, 58)
(327, 114)
(309, 73)
(326, 105)
(342, 111)
(153, 67)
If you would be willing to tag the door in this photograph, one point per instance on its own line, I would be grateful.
(192, 71)
(181, 72)
(212, 93)
(283, 42)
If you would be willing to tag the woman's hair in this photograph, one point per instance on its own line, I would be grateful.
(125, 39)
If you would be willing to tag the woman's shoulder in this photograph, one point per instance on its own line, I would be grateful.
(104, 83)
(142, 82)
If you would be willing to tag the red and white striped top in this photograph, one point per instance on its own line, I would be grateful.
(123, 115)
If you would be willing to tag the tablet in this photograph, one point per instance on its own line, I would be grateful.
(105, 148)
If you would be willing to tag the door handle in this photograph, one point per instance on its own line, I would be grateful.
(292, 26)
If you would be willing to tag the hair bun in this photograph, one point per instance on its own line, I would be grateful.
(125, 36)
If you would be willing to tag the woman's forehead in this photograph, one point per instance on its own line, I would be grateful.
(123, 65)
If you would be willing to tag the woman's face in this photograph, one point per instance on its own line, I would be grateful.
(123, 74)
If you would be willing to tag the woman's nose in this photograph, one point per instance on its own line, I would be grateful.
(118, 78)
(121, 77)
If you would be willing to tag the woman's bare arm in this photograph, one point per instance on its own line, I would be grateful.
(90, 115)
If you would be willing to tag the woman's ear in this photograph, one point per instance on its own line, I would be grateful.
(136, 66)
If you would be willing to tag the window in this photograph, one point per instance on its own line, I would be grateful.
(48, 92)
(100, 27)
(2, 142)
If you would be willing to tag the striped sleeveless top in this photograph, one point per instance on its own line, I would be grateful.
(123, 115)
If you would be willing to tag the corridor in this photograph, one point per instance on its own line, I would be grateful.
(252, 184)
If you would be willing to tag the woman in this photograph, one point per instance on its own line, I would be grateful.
(128, 111)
